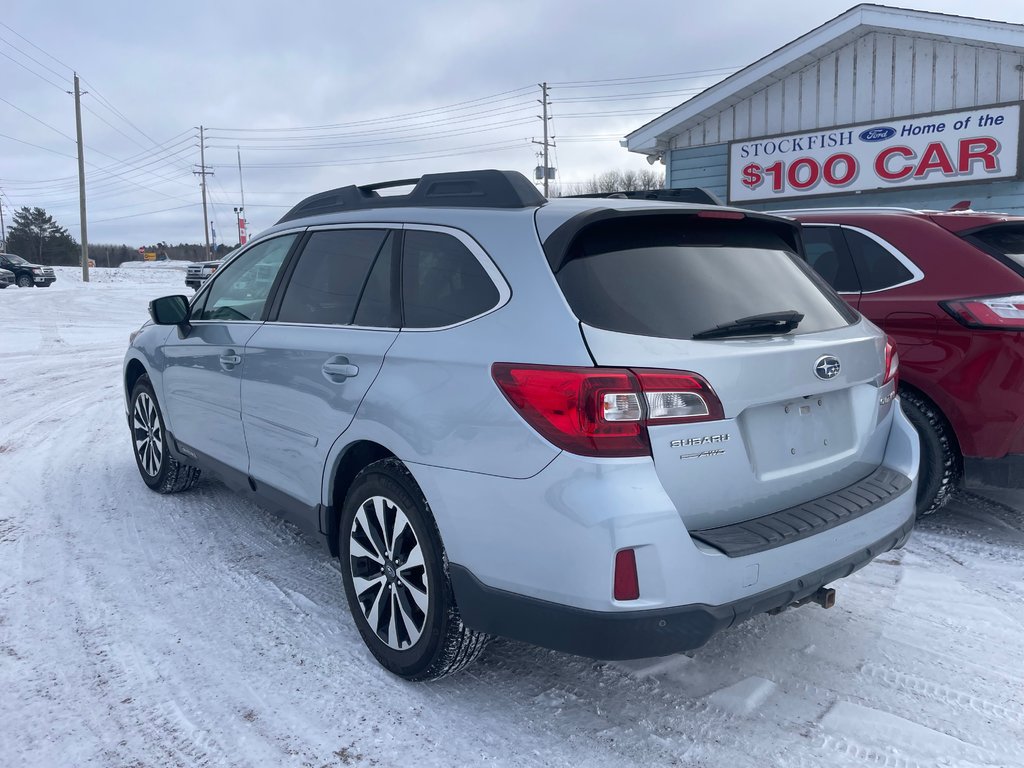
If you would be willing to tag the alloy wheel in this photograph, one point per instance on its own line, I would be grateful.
(147, 434)
(388, 573)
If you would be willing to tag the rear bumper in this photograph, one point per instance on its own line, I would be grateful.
(1007, 472)
(533, 558)
(638, 634)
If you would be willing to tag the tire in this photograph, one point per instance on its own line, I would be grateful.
(24, 281)
(385, 512)
(160, 471)
(941, 464)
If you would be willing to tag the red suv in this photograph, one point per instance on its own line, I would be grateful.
(948, 288)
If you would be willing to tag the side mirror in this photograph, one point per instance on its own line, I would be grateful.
(169, 310)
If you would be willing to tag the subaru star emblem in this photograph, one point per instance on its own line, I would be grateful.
(826, 367)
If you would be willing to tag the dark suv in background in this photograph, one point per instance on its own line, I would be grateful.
(948, 288)
(27, 274)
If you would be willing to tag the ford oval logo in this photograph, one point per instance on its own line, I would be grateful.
(826, 367)
(879, 133)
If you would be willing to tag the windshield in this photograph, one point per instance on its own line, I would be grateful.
(674, 279)
(15, 259)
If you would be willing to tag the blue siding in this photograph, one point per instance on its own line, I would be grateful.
(699, 167)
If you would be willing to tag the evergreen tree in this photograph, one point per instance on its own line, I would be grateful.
(37, 237)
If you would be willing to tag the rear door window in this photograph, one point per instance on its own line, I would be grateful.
(825, 250)
(672, 277)
(443, 283)
(877, 267)
(330, 275)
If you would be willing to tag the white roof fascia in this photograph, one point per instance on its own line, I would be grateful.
(653, 137)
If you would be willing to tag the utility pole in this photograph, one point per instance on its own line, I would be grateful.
(3, 228)
(81, 183)
(544, 119)
(202, 173)
(242, 228)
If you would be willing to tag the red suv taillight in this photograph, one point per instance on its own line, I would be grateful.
(604, 411)
(1004, 313)
(892, 364)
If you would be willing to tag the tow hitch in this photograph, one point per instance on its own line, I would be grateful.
(823, 596)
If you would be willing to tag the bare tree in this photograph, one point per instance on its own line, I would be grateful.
(613, 181)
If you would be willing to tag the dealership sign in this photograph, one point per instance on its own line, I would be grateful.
(974, 145)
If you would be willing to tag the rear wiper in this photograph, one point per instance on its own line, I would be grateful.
(768, 322)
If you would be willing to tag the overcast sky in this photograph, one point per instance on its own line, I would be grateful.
(319, 95)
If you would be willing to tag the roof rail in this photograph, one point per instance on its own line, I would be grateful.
(460, 189)
(682, 195)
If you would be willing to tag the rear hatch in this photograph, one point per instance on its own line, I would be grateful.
(799, 388)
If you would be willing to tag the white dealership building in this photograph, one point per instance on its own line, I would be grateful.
(879, 106)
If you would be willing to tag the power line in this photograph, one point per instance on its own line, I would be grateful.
(50, 55)
(63, 179)
(693, 73)
(145, 213)
(32, 71)
(627, 97)
(401, 116)
(462, 119)
(32, 58)
(41, 122)
(495, 147)
(37, 146)
(621, 113)
(109, 105)
(433, 136)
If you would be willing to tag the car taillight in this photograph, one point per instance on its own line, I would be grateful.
(892, 364)
(678, 397)
(604, 411)
(994, 312)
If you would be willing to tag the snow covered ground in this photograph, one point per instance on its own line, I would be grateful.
(140, 630)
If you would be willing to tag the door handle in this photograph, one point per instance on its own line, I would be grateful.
(337, 369)
(230, 360)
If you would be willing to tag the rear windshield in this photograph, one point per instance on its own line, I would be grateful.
(1005, 241)
(673, 277)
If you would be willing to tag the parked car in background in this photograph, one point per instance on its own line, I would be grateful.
(198, 273)
(27, 274)
(604, 426)
(6, 278)
(948, 288)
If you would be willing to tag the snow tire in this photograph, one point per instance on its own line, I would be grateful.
(444, 644)
(160, 471)
(941, 464)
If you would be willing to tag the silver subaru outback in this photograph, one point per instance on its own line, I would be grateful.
(607, 427)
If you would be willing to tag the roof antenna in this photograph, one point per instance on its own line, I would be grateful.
(963, 205)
